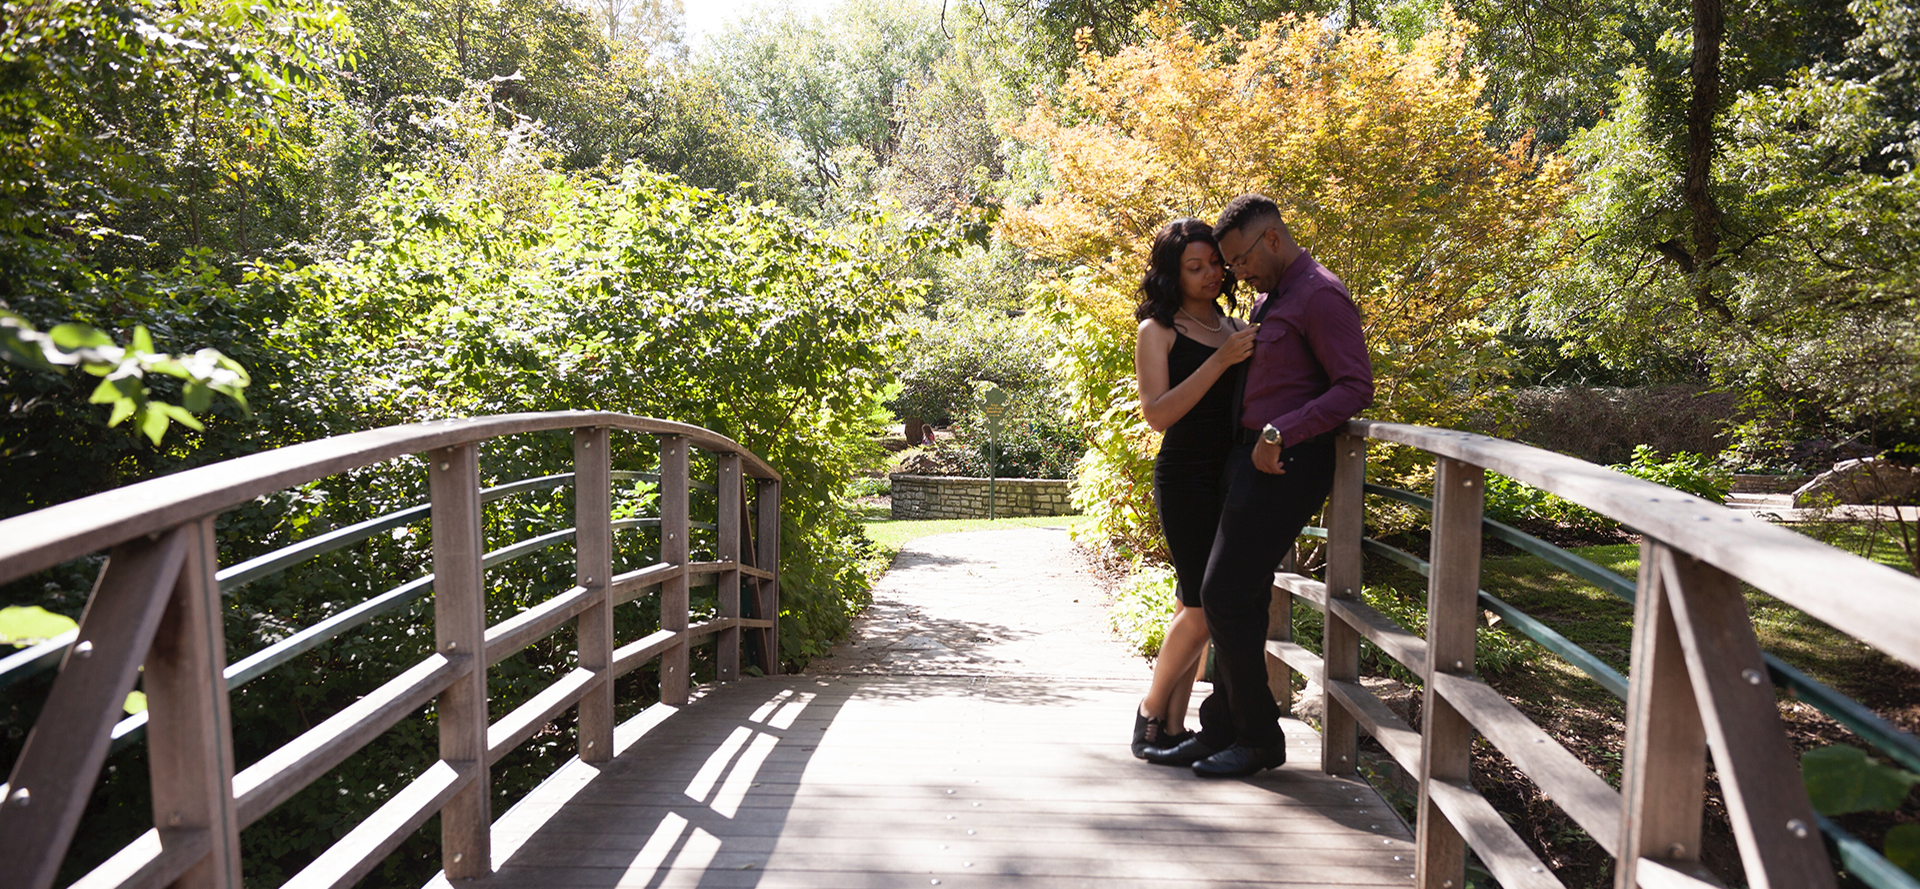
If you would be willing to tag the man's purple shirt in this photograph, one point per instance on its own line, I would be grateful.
(1309, 372)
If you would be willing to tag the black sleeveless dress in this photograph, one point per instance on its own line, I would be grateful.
(1187, 475)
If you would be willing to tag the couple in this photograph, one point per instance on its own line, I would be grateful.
(1246, 460)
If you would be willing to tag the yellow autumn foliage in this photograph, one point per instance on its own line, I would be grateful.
(1378, 157)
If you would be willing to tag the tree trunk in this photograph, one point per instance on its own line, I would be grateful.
(1709, 29)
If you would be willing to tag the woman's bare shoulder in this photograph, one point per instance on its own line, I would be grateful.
(1152, 331)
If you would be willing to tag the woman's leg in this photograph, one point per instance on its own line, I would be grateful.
(1173, 670)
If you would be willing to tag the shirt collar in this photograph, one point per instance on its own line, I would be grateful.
(1294, 271)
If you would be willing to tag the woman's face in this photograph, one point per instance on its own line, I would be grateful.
(1201, 272)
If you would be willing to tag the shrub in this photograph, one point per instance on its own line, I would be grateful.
(1521, 504)
(1142, 606)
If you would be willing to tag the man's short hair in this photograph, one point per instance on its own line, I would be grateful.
(1244, 211)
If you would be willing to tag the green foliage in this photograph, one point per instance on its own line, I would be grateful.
(1842, 779)
(1516, 503)
(942, 359)
(1903, 848)
(1141, 608)
(125, 371)
(24, 625)
(1035, 441)
(1494, 650)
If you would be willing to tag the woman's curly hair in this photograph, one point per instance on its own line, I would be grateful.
(1160, 294)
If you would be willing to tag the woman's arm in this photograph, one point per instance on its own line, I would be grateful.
(1161, 404)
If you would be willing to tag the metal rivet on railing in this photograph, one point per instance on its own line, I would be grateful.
(1798, 828)
(174, 819)
(1446, 884)
(445, 466)
(83, 649)
(1538, 869)
(19, 798)
(1676, 850)
(452, 645)
(1459, 665)
(457, 856)
(1466, 483)
(1751, 675)
(1343, 757)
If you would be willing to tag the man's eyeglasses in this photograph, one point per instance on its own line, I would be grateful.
(1235, 262)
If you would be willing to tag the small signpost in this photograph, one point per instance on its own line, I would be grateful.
(993, 403)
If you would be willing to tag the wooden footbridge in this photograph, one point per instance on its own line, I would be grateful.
(932, 774)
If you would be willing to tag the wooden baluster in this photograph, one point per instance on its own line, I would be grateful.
(674, 479)
(56, 771)
(1280, 628)
(1780, 843)
(459, 633)
(1340, 643)
(593, 567)
(767, 541)
(1665, 770)
(189, 730)
(727, 518)
(1446, 739)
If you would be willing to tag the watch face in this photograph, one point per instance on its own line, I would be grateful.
(1270, 436)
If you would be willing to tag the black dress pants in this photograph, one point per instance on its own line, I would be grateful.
(1258, 523)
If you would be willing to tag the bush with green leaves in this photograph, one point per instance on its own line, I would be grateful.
(944, 357)
(1517, 503)
(1035, 440)
(1841, 779)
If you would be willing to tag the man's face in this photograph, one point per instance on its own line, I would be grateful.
(1249, 255)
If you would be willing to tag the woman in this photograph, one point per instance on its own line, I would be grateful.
(1181, 358)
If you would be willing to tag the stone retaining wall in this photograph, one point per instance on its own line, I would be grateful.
(954, 497)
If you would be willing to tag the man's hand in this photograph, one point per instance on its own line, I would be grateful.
(1266, 458)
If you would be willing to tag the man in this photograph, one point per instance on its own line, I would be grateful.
(1308, 375)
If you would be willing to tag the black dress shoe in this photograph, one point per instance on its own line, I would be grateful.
(1241, 760)
(1187, 752)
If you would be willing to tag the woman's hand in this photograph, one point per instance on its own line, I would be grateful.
(1238, 347)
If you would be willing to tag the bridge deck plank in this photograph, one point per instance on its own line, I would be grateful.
(971, 732)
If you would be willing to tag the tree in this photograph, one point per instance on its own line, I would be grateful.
(1378, 157)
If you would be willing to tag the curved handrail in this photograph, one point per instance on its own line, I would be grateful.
(156, 606)
(1795, 568)
(78, 527)
(1697, 678)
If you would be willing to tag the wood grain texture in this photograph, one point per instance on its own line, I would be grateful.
(1499, 848)
(1280, 629)
(1561, 776)
(1780, 843)
(633, 584)
(459, 632)
(154, 860)
(1340, 642)
(593, 573)
(1410, 650)
(508, 637)
(56, 770)
(1852, 594)
(355, 855)
(767, 558)
(276, 777)
(87, 525)
(189, 730)
(638, 652)
(1446, 741)
(1664, 759)
(730, 502)
(902, 780)
(519, 725)
(674, 478)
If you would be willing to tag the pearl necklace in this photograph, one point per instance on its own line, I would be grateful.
(1214, 329)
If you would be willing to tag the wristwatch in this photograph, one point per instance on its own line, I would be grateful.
(1271, 435)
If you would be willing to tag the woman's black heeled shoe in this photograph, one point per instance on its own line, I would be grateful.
(1150, 732)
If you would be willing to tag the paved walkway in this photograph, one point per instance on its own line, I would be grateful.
(971, 732)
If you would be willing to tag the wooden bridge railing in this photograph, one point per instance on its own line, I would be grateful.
(157, 605)
(1698, 679)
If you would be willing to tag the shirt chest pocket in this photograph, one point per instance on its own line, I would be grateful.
(1274, 331)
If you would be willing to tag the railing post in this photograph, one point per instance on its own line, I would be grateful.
(57, 769)
(1780, 842)
(1446, 739)
(767, 541)
(674, 479)
(1340, 643)
(1280, 629)
(727, 520)
(459, 634)
(1663, 777)
(189, 730)
(593, 569)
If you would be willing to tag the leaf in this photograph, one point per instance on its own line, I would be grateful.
(1841, 779)
(1903, 848)
(142, 341)
(136, 702)
(25, 625)
(78, 336)
(152, 422)
(196, 398)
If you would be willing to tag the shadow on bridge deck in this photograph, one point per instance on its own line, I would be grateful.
(885, 775)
